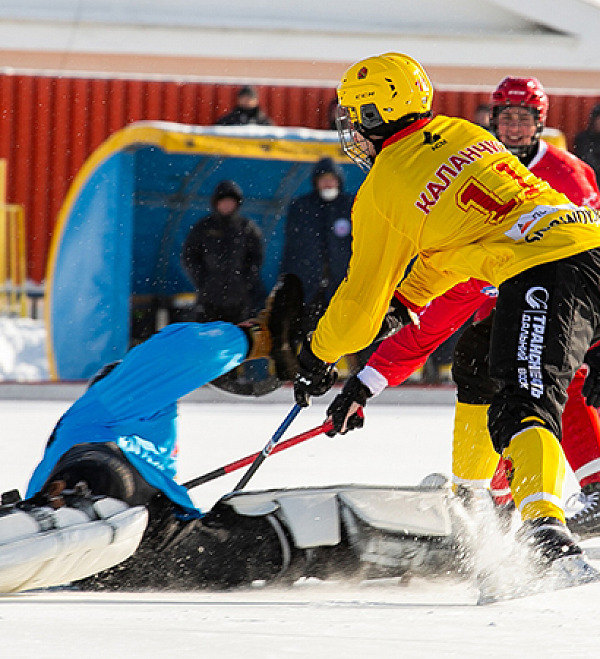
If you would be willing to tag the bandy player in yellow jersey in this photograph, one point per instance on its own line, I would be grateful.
(443, 202)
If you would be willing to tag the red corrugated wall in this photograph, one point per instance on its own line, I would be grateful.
(49, 125)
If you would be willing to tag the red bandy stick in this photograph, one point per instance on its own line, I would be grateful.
(244, 462)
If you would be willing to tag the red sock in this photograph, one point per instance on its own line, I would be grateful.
(499, 486)
(581, 433)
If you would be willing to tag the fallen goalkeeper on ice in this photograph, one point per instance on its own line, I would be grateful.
(103, 510)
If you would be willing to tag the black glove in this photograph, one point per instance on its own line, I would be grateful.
(397, 316)
(591, 386)
(340, 411)
(314, 377)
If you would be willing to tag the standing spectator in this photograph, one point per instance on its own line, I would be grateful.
(587, 142)
(246, 111)
(332, 114)
(223, 255)
(318, 237)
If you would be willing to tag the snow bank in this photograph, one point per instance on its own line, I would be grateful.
(23, 350)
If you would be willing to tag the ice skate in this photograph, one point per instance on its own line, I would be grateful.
(585, 522)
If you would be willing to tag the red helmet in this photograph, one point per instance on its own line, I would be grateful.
(521, 92)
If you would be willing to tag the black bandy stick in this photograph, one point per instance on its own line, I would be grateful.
(262, 456)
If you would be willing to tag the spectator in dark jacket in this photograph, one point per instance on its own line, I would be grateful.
(318, 237)
(481, 116)
(246, 111)
(587, 142)
(223, 255)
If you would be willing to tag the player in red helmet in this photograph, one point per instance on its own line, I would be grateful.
(518, 103)
(518, 113)
(519, 109)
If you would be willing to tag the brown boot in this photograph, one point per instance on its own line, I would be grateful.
(260, 339)
(276, 332)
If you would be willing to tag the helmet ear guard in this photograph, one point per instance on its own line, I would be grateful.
(370, 117)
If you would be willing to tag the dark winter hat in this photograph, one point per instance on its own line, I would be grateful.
(595, 112)
(247, 90)
(327, 166)
(227, 189)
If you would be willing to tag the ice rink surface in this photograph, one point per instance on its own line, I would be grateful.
(398, 446)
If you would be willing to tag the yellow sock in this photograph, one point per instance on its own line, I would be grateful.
(536, 473)
(474, 459)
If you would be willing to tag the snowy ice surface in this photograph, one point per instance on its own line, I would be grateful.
(399, 445)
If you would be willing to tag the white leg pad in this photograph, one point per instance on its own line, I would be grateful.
(49, 547)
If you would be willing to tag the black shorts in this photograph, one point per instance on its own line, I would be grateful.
(470, 364)
(546, 319)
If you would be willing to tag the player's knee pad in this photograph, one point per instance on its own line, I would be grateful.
(470, 365)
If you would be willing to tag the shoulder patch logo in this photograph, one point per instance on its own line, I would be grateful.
(430, 138)
(433, 140)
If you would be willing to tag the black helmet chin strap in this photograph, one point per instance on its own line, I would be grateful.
(385, 130)
(377, 136)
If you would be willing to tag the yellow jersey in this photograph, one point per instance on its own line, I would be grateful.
(447, 197)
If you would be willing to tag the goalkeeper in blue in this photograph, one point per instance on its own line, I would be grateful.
(103, 510)
(118, 442)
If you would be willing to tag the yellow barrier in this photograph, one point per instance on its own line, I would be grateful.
(13, 272)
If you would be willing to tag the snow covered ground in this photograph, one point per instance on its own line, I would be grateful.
(23, 350)
(399, 445)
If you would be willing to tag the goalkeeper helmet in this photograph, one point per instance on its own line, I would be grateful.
(525, 93)
(378, 97)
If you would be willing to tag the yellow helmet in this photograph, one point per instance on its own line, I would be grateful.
(381, 95)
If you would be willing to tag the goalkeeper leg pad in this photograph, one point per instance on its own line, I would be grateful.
(69, 536)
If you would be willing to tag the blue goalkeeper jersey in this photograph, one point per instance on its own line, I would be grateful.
(135, 406)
